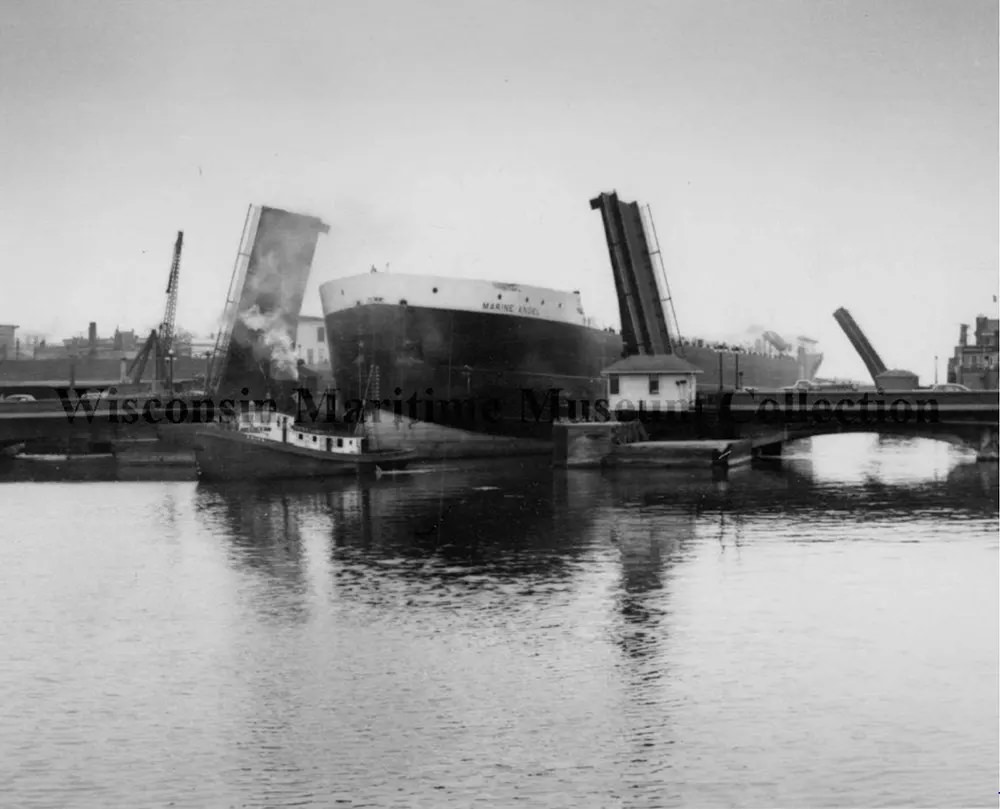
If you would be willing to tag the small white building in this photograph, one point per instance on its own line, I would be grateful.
(651, 382)
(310, 342)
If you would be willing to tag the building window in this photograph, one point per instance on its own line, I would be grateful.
(340, 442)
(613, 385)
(309, 356)
(320, 334)
(654, 385)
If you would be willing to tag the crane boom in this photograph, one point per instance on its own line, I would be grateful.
(167, 325)
(161, 340)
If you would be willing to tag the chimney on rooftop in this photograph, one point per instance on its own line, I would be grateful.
(963, 335)
(92, 338)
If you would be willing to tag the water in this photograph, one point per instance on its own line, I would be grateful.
(820, 634)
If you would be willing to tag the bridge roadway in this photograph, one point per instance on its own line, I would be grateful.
(771, 418)
(98, 420)
(768, 418)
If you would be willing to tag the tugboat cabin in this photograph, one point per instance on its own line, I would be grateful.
(267, 425)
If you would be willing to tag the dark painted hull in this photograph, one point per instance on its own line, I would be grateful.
(230, 455)
(500, 366)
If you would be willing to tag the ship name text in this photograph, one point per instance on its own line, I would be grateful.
(510, 308)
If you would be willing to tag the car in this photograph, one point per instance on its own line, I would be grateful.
(952, 387)
(19, 397)
(832, 386)
(802, 384)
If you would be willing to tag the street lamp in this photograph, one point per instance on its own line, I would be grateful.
(208, 368)
(170, 371)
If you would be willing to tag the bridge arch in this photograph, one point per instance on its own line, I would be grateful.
(981, 439)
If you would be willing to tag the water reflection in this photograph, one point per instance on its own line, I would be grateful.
(641, 638)
(265, 527)
(515, 521)
(498, 519)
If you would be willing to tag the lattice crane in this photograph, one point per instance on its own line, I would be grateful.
(161, 341)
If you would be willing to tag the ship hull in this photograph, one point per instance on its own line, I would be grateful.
(225, 455)
(454, 382)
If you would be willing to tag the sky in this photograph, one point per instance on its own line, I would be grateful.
(797, 156)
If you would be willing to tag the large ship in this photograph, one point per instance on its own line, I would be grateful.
(463, 367)
(472, 367)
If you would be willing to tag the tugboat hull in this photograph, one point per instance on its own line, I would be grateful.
(231, 455)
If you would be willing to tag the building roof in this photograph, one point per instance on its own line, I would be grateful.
(652, 364)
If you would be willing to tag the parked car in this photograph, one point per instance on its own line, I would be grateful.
(18, 397)
(802, 384)
(852, 386)
(950, 386)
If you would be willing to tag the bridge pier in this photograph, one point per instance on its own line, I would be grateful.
(770, 452)
(769, 447)
(989, 445)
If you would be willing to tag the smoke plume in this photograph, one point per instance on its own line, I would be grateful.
(272, 341)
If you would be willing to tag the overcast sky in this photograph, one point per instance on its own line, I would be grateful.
(798, 156)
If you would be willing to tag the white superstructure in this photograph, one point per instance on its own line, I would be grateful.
(461, 294)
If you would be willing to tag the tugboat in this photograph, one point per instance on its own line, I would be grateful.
(268, 445)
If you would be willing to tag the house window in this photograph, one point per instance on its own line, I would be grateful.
(613, 385)
(340, 442)
(320, 334)
(654, 385)
(309, 355)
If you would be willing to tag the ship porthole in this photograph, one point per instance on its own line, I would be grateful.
(527, 300)
(434, 290)
(499, 297)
